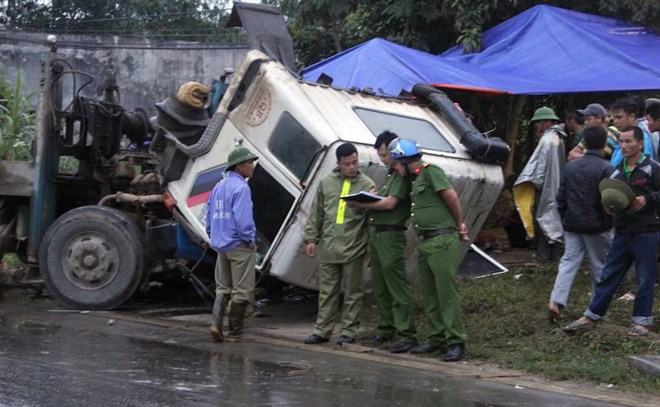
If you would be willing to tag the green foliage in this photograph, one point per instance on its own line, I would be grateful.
(324, 27)
(17, 121)
(469, 22)
(191, 20)
(11, 260)
(644, 12)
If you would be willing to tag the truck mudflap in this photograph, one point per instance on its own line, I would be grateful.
(266, 31)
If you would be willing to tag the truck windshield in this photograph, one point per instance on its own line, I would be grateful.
(423, 132)
(293, 145)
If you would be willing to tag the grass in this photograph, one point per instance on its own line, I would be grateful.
(17, 121)
(507, 324)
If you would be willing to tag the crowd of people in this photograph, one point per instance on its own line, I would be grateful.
(602, 202)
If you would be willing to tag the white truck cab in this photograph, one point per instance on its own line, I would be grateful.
(294, 127)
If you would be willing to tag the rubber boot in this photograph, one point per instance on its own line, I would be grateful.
(218, 314)
(236, 317)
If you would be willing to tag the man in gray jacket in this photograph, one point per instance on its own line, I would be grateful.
(587, 228)
(535, 190)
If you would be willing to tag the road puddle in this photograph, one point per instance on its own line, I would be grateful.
(35, 327)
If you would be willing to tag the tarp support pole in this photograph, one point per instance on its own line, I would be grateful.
(513, 130)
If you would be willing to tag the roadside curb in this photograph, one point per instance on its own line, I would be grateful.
(461, 370)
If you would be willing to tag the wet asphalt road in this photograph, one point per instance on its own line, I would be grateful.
(72, 359)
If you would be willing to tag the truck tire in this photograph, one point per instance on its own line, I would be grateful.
(92, 257)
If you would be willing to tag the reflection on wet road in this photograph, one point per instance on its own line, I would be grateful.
(81, 360)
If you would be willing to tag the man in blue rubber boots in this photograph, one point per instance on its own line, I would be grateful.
(438, 221)
(230, 224)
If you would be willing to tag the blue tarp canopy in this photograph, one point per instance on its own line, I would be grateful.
(387, 68)
(543, 50)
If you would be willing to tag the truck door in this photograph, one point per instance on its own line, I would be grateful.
(278, 184)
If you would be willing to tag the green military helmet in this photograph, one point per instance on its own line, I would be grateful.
(239, 155)
(615, 195)
(544, 113)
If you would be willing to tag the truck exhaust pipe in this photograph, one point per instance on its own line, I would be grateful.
(483, 149)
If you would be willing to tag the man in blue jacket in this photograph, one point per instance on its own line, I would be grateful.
(587, 228)
(625, 112)
(230, 224)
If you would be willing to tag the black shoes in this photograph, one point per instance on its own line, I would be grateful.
(426, 347)
(380, 340)
(403, 346)
(454, 353)
(315, 339)
(344, 339)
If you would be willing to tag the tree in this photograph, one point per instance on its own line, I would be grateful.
(324, 27)
(163, 19)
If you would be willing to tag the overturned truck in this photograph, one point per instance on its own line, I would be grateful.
(133, 207)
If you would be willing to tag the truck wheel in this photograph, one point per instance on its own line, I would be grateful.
(92, 257)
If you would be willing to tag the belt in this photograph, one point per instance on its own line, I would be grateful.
(427, 234)
(388, 228)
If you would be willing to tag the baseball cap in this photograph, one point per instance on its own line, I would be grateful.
(593, 109)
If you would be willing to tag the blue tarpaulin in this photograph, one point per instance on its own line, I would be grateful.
(543, 50)
(387, 68)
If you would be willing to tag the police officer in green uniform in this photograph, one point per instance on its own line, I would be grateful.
(438, 221)
(387, 244)
(340, 233)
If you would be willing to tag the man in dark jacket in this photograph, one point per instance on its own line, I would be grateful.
(635, 239)
(587, 228)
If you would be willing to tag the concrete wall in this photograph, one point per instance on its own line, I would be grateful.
(147, 71)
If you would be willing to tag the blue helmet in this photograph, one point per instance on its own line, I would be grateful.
(403, 149)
